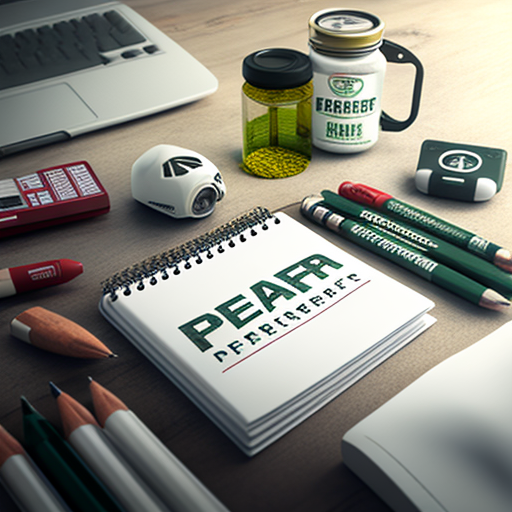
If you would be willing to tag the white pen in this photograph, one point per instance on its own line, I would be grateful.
(85, 435)
(169, 478)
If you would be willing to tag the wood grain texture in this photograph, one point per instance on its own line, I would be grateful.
(73, 414)
(8, 446)
(104, 402)
(51, 331)
(465, 49)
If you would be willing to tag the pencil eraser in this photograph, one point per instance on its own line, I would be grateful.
(20, 330)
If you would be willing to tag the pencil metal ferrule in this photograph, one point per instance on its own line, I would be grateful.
(314, 208)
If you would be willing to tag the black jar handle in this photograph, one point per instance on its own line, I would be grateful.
(396, 53)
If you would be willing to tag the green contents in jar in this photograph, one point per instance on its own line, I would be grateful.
(275, 162)
(276, 104)
(278, 143)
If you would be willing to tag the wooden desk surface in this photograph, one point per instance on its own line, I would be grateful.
(465, 49)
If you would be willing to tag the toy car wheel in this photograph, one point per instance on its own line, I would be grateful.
(204, 202)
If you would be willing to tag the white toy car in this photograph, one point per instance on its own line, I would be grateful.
(176, 181)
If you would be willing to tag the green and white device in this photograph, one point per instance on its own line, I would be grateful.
(460, 171)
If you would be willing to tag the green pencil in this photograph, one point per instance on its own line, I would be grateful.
(63, 467)
(391, 248)
(490, 251)
(440, 250)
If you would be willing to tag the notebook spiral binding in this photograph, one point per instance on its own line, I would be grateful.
(185, 254)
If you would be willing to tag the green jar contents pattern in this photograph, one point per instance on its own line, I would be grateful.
(276, 106)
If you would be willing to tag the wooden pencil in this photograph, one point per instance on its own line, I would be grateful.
(85, 435)
(9, 446)
(52, 332)
(23, 481)
(167, 476)
(72, 478)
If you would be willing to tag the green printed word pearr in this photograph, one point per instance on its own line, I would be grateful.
(239, 310)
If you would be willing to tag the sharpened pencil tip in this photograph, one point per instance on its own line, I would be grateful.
(493, 300)
(55, 390)
(112, 355)
(26, 408)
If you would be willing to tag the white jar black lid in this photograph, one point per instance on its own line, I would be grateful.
(277, 68)
(345, 30)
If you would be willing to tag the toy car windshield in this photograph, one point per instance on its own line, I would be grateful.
(180, 165)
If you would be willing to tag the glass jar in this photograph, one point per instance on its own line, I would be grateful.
(276, 111)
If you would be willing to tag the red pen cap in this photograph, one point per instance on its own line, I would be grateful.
(363, 194)
(45, 273)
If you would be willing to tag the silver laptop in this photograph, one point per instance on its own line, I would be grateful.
(70, 67)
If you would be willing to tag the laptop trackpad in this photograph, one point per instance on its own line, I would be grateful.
(38, 113)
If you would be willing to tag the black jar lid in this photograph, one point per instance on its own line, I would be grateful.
(277, 68)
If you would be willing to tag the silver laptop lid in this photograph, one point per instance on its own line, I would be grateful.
(126, 81)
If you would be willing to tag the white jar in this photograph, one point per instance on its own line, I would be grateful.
(348, 77)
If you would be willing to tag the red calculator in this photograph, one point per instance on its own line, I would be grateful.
(51, 196)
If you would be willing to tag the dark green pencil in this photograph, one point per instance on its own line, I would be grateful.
(76, 483)
(440, 250)
(391, 248)
(456, 235)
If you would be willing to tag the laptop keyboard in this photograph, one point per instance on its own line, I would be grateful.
(53, 50)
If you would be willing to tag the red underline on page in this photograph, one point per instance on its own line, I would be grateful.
(296, 327)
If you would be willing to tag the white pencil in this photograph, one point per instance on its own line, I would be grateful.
(29, 490)
(176, 486)
(85, 435)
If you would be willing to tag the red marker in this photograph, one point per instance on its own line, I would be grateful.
(37, 275)
(363, 194)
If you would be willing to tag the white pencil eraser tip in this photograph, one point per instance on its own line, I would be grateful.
(20, 330)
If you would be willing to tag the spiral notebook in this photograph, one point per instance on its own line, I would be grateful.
(261, 322)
